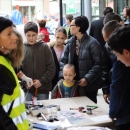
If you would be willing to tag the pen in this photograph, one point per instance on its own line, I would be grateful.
(43, 116)
(73, 108)
(93, 107)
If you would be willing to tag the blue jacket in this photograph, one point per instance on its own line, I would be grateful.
(120, 93)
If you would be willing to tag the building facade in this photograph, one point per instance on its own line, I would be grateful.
(91, 8)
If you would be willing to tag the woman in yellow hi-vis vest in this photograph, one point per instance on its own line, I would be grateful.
(12, 108)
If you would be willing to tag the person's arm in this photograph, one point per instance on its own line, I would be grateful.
(29, 81)
(106, 76)
(54, 92)
(50, 67)
(6, 122)
(95, 71)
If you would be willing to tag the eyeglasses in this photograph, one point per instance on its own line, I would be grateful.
(72, 25)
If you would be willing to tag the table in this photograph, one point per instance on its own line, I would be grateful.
(75, 102)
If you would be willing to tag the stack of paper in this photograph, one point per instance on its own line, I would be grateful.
(44, 125)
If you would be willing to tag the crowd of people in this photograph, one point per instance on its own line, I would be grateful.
(74, 64)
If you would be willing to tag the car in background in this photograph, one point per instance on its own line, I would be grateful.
(4, 14)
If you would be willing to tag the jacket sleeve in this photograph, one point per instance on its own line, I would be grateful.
(95, 71)
(50, 70)
(106, 71)
(119, 94)
(54, 92)
(6, 122)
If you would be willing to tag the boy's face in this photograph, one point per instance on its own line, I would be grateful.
(31, 37)
(68, 74)
(124, 58)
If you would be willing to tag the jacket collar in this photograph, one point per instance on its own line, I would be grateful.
(38, 42)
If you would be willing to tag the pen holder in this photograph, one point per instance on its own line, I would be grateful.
(89, 111)
(36, 110)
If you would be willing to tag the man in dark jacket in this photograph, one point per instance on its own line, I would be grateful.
(107, 53)
(97, 25)
(120, 87)
(84, 52)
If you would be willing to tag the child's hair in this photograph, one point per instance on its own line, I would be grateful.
(61, 29)
(30, 26)
(70, 66)
(127, 10)
(69, 17)
(42, 23)
(120, 39)
(112, 16)
(16, 55)
(110, 27)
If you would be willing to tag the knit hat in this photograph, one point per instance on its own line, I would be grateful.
(4, 23)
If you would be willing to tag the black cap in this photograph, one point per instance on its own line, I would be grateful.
(4, 23)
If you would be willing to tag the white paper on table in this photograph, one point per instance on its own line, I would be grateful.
(56, 123)
(88, 128)
(102, 118)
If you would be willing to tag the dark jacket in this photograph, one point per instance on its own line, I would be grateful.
(106, 71)
(39, 64)
(58, 91)
(120, 93)
(107, 63)
(96, 31)
(55, 79)
(89, 60)
(127, 21)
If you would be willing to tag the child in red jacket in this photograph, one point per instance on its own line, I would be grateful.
(66, 87)
(43, 30)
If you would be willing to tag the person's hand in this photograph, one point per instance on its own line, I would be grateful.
(107, 98)
(40, 36)
(37, 83)
(82, 82)
(29, 81)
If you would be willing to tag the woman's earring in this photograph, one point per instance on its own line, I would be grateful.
(2, 48)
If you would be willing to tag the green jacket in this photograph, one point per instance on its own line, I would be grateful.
(39, 64)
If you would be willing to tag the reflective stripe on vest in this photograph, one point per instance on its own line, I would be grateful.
(20, 119)
(17, 102)
(18, 113)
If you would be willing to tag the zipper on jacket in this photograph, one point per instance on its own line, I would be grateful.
(33, 60)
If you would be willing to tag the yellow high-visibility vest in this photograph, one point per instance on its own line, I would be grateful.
(18, 112)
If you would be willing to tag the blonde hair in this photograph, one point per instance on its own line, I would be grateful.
(70, 66)
(16, 55)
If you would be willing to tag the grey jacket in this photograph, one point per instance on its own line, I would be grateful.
(89, 60)
(39, 64)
